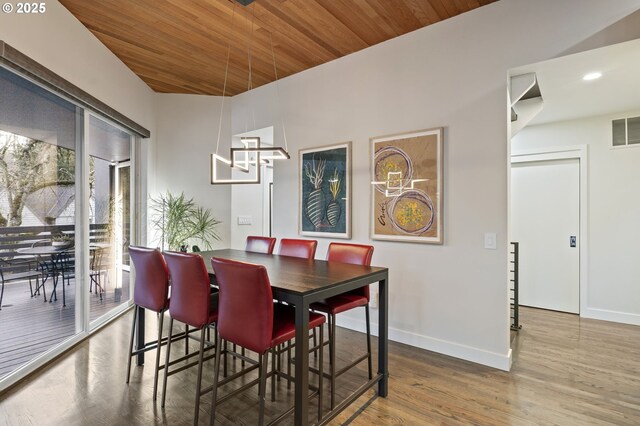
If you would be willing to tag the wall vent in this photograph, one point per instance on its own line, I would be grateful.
(625, 131)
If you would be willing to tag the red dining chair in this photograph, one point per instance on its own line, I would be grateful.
(359, 255)
(305, 249)
(248, 317)
(260, 244)
(150, 292)
(193, 304)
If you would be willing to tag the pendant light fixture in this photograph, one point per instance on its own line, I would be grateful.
(251, 155)
(396, 184)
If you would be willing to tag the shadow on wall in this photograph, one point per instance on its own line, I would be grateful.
(626, 29)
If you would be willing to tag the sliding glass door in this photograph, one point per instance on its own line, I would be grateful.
(66, 214)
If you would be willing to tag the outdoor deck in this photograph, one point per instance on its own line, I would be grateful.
(29, 326)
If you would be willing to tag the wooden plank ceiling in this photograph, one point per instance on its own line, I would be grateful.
(180, 46)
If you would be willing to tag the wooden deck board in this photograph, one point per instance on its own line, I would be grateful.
(30, 326)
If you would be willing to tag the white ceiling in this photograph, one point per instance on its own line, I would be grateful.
(566, 96)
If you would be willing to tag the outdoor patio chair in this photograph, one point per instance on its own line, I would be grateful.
(98, 266)
(7, 276)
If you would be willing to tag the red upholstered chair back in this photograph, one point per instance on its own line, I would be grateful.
(245, 306)
(351, 253)
(190, 289)
(260, 244)
(152, 278)
(305, 249)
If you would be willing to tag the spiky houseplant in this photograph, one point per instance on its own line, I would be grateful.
(179, 221)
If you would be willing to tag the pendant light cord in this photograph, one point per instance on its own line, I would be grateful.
(249, 61)
(275, 72)
(226, 73)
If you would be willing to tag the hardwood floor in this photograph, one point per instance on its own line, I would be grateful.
(566, 370)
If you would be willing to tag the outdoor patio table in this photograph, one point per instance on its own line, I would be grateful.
(52, 252)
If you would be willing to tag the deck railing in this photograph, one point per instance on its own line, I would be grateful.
(16, 237)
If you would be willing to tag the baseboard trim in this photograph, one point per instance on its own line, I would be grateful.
(614, 316)
(456, 350)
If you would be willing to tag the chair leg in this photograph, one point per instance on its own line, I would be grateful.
(216, 372)
(166, 363)
(133, 332)
(264, 359)
(273, 378)
(321, 373)
(199, 379)
(332, 358)
(315, 343)
(279, 360)
(1, 295)
(44, 290)
(186, 339)
(224, 367)
(54, 292)
(366, 309)
(288, 366)
(159, 345)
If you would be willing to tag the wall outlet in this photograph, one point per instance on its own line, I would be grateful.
(490, 240)
(244, 220)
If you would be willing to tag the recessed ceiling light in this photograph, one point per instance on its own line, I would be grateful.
(592, 76)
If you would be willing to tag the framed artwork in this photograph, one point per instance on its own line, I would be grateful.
(406, 194)
(325, 191)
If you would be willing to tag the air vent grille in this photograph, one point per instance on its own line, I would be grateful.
(625, 131)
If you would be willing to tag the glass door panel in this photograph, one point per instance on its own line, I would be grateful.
(39, 133)
(109, 211)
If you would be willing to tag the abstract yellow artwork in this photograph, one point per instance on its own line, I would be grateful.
(406, 200)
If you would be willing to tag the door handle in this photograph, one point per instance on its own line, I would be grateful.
(572, 241)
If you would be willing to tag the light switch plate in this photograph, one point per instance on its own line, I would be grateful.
(244, 220)
(490, 240)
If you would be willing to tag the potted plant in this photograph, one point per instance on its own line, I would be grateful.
(179, 221)
(61, 240)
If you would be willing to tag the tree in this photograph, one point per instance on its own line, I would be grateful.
(27, 165)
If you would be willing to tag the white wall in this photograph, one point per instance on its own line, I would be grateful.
(58, 41)
(450, 298)
(613, 290)
(251, 200)
(187, 132)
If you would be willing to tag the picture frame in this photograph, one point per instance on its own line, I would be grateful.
(324, 197)
(407, 187)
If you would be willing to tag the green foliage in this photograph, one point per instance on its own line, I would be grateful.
(179, 221)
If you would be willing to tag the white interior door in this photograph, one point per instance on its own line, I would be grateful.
(545, 214)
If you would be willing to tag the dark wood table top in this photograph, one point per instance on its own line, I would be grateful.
(299, 276)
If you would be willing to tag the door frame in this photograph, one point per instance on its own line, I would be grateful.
(581, 153)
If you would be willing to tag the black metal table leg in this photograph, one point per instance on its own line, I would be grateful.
(383, 342)
(302, 363)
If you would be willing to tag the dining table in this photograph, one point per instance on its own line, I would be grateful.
(301, 282)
